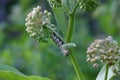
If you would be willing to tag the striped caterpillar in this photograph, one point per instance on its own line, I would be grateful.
(59, 42)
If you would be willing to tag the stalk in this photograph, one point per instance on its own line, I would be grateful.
(68, 40)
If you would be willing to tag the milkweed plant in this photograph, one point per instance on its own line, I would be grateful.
(102, 51)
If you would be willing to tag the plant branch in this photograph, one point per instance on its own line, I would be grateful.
(66, 10)
(71, 23)
(74, 10)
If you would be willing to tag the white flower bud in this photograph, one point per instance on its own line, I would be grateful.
(32, 23)
(97, 58)
(29, 30)
(100, 41)
(88, 59)
(95, 65)
(110, 38)
(33, 35)
(93, 44)
(88, 56)
(119, 51)
(115, 43)
(29, 15)
(35, 22)
(27, 24)
(102, 51)
(105, 57)
(93, 55)
(111, 57)
(44, 22)
(33, 15)
(97, 45)
(38, 8)
(49, 14)
(45, 12)
(92, 60)
(94, 49)
(111, 50)
(88, 51)
(27, 19)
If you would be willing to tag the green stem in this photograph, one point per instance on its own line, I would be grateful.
(74, 10)
(76, 67)
(71, 23)
(70, 28)
(68, 40)
(106, 72)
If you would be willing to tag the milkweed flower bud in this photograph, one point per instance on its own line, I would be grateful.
(95, 65)
(103, 50)
(55, 3)
(36, 21)
(89, 5)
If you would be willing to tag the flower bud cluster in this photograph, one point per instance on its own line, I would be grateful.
(55, 3)
(35, 22)
(103, 50)
(89, 5)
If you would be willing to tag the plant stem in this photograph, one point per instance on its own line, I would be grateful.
(106, 72)
(74, 10)
(68, 40)
(76, 67)
(70, 28)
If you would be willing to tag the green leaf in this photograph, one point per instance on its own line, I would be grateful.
(101, 74)
(60, 18)
(10, 73)
(116, 77)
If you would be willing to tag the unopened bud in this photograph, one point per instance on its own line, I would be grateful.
(95, 65)
(88, 60)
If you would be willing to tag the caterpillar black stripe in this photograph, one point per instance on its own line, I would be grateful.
(59, 42)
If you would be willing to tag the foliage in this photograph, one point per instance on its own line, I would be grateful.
(10, 73)
(33, 58)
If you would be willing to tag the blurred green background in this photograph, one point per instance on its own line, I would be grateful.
(33, 58)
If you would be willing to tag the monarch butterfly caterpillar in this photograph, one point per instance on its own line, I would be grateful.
(59, 42)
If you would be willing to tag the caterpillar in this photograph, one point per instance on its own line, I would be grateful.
(59, 42)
